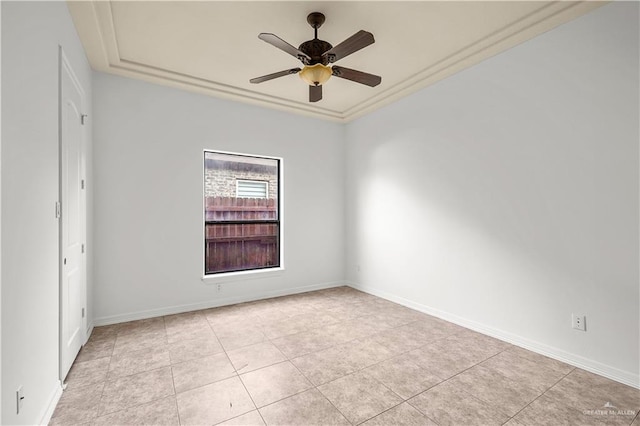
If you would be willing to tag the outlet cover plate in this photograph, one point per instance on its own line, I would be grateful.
(579, 322)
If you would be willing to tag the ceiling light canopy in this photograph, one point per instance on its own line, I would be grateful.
(315, 75)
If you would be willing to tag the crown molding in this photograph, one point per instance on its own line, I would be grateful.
(95, 26)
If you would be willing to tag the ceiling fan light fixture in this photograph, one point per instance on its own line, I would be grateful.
(315, 56)
(315, 75)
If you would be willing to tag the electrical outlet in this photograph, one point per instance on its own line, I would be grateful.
(19, 399)
(219, 287)
(579, 322)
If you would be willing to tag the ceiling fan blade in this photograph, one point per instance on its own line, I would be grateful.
(276, 41)
(274, 75)
(357, 76)
(315, 93)
(358, 41)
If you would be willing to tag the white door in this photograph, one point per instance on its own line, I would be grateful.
(73, 210)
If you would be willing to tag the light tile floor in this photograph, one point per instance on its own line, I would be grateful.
(336, 356)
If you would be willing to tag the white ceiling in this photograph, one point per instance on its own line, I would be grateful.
(213, 47)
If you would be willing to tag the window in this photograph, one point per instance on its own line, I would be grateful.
(252, 189)
(242, 212)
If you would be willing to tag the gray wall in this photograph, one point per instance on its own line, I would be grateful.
(505, 198)
(149, 238)
(31, 34)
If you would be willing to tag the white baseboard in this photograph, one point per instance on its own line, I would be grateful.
(56, 393)
(579, 361)
(178, 309)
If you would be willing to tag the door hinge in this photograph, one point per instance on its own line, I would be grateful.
(82, 184)
(83, 117)
(82, 312)
(58, 209)
(82, 248)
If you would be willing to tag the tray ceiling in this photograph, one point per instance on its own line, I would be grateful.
(212, 47)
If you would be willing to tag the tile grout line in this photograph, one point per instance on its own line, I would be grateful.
(173, 379)
(376, 363)
(368, 366)
(544, 393)
(238, 376)
(270, 341)
(289, 360)
(315, 387)
(270, 311)
(106, 380)
(104, 384)
(140, 372)
(497, 372)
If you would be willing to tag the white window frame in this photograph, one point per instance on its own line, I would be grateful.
(214, 279)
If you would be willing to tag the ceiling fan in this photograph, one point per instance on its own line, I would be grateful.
(316, 55)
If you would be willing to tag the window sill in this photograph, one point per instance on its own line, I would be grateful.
(242, 275)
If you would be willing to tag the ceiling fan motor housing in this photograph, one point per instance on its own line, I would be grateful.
(315, 49)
